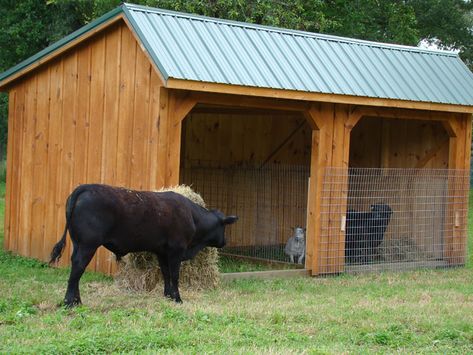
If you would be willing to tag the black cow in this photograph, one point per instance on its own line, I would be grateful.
(126, 221)
(365, 232)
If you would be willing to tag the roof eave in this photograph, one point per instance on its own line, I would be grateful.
(60, 46)
(217, 88)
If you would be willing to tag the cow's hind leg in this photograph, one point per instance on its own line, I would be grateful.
(80, 258)
(164, 266)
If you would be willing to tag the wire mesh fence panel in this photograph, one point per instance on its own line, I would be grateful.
(270, 202)
(392, 219)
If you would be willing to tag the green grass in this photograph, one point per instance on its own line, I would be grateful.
(416, 312)
(228, 264)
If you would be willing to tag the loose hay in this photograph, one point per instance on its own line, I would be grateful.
(140, 271)
(401, 249)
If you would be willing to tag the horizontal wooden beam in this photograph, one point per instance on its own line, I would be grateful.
(228, 110)
(402, 113)
(312, 96)
(223, 99)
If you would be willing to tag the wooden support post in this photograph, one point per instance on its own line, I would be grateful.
(332, 125)
(459, 130)
(321, 120)
(174, 107)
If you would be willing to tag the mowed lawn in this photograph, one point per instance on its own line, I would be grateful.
(421, 312)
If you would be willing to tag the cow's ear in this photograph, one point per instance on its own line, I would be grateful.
(230, 219)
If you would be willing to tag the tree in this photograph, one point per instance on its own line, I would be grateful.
(446, 23)
(374, 20)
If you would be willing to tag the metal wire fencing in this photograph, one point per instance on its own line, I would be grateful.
(270, 201)
(392, 219)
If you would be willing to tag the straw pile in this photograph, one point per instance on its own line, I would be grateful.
(401, 249)
(140, 271)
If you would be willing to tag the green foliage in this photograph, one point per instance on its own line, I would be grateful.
(3, 176)
(375, 20)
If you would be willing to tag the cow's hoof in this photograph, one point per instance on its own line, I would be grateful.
(178, 299)
(72, 303)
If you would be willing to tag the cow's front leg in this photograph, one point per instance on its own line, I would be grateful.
(164, 266)
(174, 262)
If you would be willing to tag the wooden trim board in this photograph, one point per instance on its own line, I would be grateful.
(311, 96)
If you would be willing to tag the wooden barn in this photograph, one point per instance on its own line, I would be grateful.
(284, 128)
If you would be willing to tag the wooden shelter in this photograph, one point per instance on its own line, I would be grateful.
(131, 97)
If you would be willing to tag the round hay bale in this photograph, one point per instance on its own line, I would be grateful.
(140, 271)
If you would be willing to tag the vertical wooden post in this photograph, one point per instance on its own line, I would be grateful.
(459, 129)
(174, 107)
(321, 120)
(332, 125)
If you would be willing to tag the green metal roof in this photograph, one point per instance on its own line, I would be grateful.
(198, 48)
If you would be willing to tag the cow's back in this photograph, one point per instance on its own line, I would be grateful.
(130, 220)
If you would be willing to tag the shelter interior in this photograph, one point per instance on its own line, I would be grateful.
(253, 163)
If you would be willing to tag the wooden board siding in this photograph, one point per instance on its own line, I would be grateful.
(90, 116)
(396, 143)
(246, 138)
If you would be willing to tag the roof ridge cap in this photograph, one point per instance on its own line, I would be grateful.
(287, 31)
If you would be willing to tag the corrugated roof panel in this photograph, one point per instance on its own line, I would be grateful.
(401, 74)
(440, 82)
(229, 52)
(317, 68)
(422, 86)
(456, 77)
(306, 70)
(235, 58)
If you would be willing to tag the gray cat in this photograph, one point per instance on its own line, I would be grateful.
(295, 246)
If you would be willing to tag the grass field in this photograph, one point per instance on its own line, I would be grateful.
(415, 312)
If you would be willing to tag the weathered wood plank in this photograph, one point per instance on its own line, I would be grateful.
(25, 162)
(66, 158)
(40, 171)
(155, 85)
(126, 108)
(94, 154)
(81, 139)
(140, 121)
(9, 202)
(52, 235)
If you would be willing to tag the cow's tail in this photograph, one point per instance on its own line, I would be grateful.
(59, 247)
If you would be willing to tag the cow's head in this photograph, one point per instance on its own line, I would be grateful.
(381, 211)
(216, 237)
